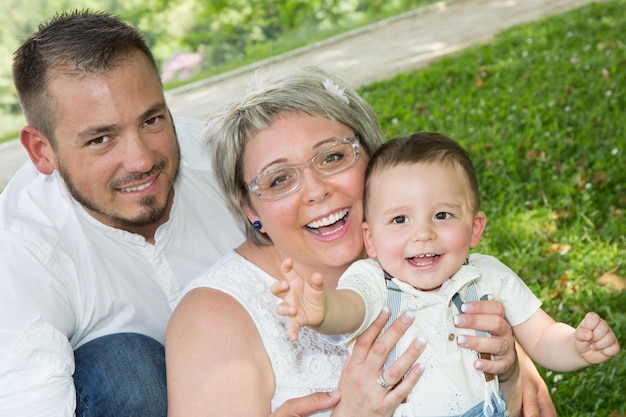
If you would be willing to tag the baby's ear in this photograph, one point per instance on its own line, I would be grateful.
(39, 149)
(367, 240)
(478, 227)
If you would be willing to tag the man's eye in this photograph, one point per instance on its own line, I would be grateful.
(153, 120)
(99, 141)
(399, 220)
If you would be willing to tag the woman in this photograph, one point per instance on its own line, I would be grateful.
(290, 159)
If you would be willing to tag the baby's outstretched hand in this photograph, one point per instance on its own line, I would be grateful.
(595, 340)
(303, 300)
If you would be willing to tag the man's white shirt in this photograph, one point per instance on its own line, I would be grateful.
(66, 279)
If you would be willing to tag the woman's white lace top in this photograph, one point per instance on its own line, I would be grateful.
(300, 368)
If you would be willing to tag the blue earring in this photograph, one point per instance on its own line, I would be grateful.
(257, 225)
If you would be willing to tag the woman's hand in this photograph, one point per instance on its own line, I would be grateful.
(488, 316)
(536, 400)
(303, 406)
(520, 381)
(363, 394)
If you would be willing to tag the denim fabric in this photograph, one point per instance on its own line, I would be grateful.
(120, 375)
(499, 409)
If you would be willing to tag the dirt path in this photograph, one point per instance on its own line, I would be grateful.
(382, 50)
(374, 53)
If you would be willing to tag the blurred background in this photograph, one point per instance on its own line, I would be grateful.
(193, 39)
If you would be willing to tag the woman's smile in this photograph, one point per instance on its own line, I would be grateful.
(329, 224)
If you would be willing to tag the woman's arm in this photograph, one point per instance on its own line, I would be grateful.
(536, 400)
(216, 362)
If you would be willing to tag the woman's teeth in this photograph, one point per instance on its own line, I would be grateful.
(327, 221)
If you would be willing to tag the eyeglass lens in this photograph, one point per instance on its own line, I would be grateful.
(284, 180)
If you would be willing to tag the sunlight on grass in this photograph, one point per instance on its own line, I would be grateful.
(541, 111)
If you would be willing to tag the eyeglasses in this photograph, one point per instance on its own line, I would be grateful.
(282, 181)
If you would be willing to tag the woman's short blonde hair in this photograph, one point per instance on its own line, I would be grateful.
(310, 90)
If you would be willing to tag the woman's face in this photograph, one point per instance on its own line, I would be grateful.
(319, 225)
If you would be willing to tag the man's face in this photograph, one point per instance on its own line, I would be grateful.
(116, 148)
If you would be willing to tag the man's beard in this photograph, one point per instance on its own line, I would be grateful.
(151, 213)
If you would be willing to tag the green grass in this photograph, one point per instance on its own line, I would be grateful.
(542, 109)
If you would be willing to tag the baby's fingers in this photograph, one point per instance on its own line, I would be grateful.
(317, 281)
(293, 329)
(285, 309)
(606, 343)
(591, 321)
(279, 288)
(595, 330)
(286, 266)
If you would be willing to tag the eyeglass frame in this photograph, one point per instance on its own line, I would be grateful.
(253, 187)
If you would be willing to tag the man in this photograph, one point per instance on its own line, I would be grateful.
(102, 228)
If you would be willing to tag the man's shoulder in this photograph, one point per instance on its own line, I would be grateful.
(188, 128)
(194, 154)
(32, 204)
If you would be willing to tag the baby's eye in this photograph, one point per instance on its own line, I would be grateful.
(443, 215)
(399, 219)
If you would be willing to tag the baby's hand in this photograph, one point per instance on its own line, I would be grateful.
(303, 300)
(595, 340)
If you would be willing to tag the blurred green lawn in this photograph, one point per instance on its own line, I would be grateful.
(542, 109)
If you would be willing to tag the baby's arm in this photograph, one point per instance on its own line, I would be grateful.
(562, 348)
(310, 303)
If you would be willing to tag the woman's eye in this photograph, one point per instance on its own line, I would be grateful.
(332, 158)
(280, 179)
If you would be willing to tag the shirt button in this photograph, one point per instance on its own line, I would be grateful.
(451, 337)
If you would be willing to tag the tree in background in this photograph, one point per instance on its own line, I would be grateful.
(207, 34)
(159, 20)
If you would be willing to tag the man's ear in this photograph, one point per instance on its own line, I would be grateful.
(39, 149)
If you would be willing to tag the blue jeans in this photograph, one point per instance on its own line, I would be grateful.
(120, 375)
(499, 409)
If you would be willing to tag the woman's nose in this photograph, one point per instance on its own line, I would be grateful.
(314, 186)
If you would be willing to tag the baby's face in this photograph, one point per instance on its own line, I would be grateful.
(421, 222)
